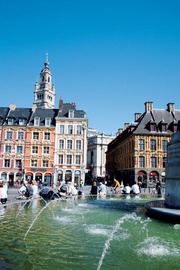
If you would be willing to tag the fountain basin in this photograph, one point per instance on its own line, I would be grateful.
(87, 233)
(159, 209)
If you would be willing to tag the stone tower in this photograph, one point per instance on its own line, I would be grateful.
(44, 92)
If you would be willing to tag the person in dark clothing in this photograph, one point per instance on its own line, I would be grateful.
(158, 188)
(94, 189)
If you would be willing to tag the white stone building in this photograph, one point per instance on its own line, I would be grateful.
(96, 153)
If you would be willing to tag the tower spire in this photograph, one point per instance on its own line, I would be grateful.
(44, 92)
(46, 57)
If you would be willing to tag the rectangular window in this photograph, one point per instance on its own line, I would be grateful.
(60, 159)
(70, 129)
(61, 144)
(20, 135)
(141, 145)
(163, 128)
(78, 144)
(35, 135)
(78, 159)
(175, 128)
(69, 144)
(45, 163)
(164, 145)
(153, 162)
(152, 127)
(46, 150)
(47, 135)
(34, 163)
(7, 163)
(9, 135)
(35, 149)
(61, 129)
(164, 162)
(47, 121)
(8, 149)
(21, 121)
(18, 163)
(10, 121)
(153, 145)
(69, 159)
(79, 129)
(19, 149)
(36, 121)
(71, 113)
(141, 162)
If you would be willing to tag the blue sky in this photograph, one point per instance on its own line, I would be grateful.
(107, 56)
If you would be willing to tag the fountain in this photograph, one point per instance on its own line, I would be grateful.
(88, 233)
(94, 233)
(169, 209)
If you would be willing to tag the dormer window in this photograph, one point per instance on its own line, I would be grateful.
(10, 121)
(36, 121)
(71, 114)
(47, 121)
(163, 127)
(152, 127)
(175, 128)
(21, 121)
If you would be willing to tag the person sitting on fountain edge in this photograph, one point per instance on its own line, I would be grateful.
(24, 190)
(135, 189)
(102, 189)
(94, 189)
(126, 189)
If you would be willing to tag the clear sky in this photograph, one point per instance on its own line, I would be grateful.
(107, 56)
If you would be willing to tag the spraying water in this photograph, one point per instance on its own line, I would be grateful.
(111, 236)
(46, 206)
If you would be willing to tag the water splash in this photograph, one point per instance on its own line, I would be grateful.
(155, 246)
(111, 236)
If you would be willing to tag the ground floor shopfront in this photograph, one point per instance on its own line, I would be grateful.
(52, 178)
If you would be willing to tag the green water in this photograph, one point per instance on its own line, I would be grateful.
(110, 233)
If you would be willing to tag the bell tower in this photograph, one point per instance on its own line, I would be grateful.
(44, 91)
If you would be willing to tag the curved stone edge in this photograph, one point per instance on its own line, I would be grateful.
(162, 213)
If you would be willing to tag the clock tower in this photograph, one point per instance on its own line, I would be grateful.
(44, 92)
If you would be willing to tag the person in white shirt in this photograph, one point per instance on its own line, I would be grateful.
(126, 189)
(135, 189)
(34, 190)
(3, 194)
(102, 189)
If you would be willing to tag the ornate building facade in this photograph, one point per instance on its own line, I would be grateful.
(43, 143)
(139, 152)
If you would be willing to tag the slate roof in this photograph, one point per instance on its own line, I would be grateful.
(69, 106)
(3, 112)
(19, 113)
(156, 116)
(42, 114)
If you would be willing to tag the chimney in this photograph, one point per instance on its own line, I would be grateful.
(126, 125)
(60, 104)
(12, 106)
(74, 104)
(136, 116)
(170, 107)
(148, 106)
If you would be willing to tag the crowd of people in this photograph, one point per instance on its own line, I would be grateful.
(118, 188)
(33, 189)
